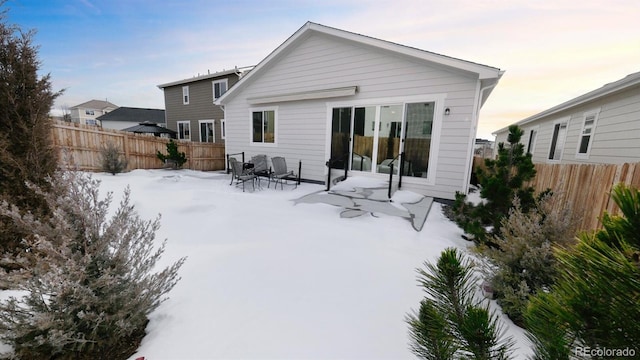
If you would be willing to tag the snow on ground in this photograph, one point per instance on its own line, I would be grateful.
(267, 279)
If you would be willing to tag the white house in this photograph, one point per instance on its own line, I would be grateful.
(599, 127)
(87, 112)
(326, 93)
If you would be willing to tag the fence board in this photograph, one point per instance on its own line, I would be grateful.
(81, 146)
(586, 187)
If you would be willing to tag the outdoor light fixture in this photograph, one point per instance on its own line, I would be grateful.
(447, 111)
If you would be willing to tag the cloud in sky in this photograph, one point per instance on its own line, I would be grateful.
(120, 50)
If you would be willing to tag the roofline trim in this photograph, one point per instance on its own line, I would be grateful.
(606, 90)
(483, 71)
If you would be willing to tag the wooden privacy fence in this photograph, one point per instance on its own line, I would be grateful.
(83, 144)
(586, 187)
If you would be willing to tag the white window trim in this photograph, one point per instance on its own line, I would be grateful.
(178, 128)
(275, 127)
(213, 127)
(535, 140)
(223, 129)
(438, 99)
(564, 147)
(185, 95)
(213, 87)
(596, 115)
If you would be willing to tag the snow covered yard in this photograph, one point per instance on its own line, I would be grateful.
(267, 279)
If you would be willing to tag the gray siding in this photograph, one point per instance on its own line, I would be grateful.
(616, 136)
(200, 107)
(321, 62)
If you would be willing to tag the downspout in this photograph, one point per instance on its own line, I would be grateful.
(473, 132)
(226, 151)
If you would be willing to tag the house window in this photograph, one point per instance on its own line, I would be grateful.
(89, 112)
(207, 133)
(184, 130)
(533, 134)
(223, 129)
(264, 126)
(185, 95)
(588, 127)
(91, 122)
(557, 141)
(219, 88)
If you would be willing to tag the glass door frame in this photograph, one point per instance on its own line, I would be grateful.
(437, 99)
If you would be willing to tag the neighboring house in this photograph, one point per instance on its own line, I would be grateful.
(190, 108)
(483, 148)
(599, 127)
(124, 117)
(326, 92)
(86, 113)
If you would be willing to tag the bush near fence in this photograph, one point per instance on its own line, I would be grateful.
(584, 187)
(81, 146)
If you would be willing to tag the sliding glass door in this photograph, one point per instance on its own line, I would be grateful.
(340, 135)
(388, 138)
(373, 137)
(417, 138)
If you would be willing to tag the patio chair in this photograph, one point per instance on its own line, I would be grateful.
(240, 174)
(281, 173)
(261, 168)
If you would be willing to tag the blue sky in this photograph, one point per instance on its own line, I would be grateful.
(120, 50)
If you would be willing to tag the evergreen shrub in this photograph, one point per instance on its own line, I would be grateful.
(92, 284)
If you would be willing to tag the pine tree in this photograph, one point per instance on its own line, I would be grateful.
(173, 156)
(451, 323)
(112, 160)
(92, 284)
(594, 303)
(501, 180)
(26, 152)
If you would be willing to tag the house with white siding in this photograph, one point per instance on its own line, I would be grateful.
(328, 94)
(599, 127)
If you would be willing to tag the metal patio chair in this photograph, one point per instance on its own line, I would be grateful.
(281, 173)
(240, 174)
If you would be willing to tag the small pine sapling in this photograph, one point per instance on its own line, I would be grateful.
(112, 161)
(451, 322)
(174, 158)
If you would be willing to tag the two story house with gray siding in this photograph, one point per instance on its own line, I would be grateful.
(190, 109)
(599, 127)
(326, 93)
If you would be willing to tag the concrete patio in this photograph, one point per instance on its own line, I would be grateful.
(359, 196)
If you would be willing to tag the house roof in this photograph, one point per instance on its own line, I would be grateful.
(489, 75)
(95, 104)
(238, 71)
(606, 90)
(147, 127)
(130, 114)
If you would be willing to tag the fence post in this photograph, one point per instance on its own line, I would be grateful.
(390, 179)
(125, 145)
